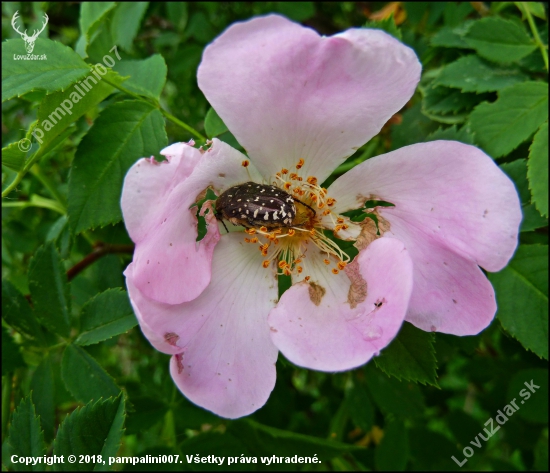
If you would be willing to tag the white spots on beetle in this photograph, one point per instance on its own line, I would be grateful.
(266, 216)
(240, 209)
(262, 191)
(247, 212)
(271, 201)
(256, 199)
(243, 215)
(238, 200)
(230, 195)
(256, 213)
(275, 216)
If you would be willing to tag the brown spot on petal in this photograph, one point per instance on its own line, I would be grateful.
(171, 338)
(316, 293)
(369, 231)
(179, 358)
(358, 288)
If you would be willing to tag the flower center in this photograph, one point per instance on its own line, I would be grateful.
(286, 247)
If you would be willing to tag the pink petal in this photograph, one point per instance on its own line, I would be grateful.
(169, 265)
(322, 331)
(287, 93)
(148, 182)
(454, 194)
(224, 359)
(450, 293)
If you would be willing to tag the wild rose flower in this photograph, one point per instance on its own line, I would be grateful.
(300, 104)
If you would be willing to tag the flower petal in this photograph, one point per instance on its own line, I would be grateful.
(453, 193)
(287, 93)
(224, 359)
(450, 293)
(331, 325)
(169, 265)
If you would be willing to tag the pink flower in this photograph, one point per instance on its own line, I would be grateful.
(300, 104)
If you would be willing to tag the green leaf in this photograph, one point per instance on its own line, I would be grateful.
(62, 68)
(453, 134)
(517, 171)
(388, 25)
(522, 297)
(126, 21)
(85, 379)
(499, 40)
(123, 133)
(95, 429)
(402, 399)
(61, 109)
(17, 312)
(393, 452)
(25, 438)
(13, 157)
(502, 125)
(213, 124)
(11, 356)
(104, 316)
(91, 15)
(147, 76)
(442, 100)
(530, 389)
(473, 74)
(50, 289)
(360, 406)
(452, 37)
(297, 11)
(43, 388)
(410, 356)
(538, 169)
(535, 8)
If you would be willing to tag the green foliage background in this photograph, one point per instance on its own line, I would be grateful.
(79, 378)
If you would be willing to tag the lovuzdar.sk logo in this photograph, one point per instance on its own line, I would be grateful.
(29, 40)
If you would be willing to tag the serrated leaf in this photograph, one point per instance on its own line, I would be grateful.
(95, 429)
(11, 357)
(393, 452)
(517, 171)
(452, 134)
(388, 25)
(399, 398)
(213, 124)
(13, 157)
(61, 109)
(123, 133)
(147, 76)
(85, 379)
(535, 8)
(443, 100)
(17, 312)
(502, 125)
(522, 297)
(91, 15)
(104, 316)
(50, 289)
(448, 37)
(499, 40)
(62, 68)
(43, 388)
(25, 437)
(410, 356)
(473, 74)
(538, 169)
(125, 24)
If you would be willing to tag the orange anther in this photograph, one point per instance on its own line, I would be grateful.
(331, 201)
(340, 220)
(326, 212)
(265, 264)
(247, 240)
(263, 229)
(291, 232)
(307, 278)
(324, 191)
(263, 251)
(335, 271)
(314, 198)
(282, 264)
(321, 205)
(326, 261)
(287, 272)
(341, 265)
(250, 231)
(287, 185)
(345, 227)
(300, 179)
(284, 171)
(254, 240)
(293, 175)
(312, 180)
(337, 228)
(278, 174)
(297, 261)
(245, 163)
(299, 269)
(300, 163)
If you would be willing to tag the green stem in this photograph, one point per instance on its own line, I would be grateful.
(169, 116)
(30, 163)
(37, 201)
(536, 35)
(49, 184)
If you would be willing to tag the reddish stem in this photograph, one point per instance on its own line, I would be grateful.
(101, 249)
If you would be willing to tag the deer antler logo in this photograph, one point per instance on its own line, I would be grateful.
(29, 40)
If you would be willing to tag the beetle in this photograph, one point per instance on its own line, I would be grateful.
(255, 205)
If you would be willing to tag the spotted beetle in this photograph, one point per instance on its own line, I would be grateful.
(255, 205)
